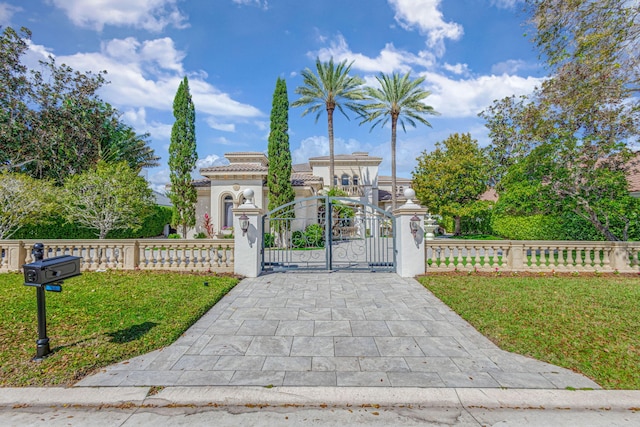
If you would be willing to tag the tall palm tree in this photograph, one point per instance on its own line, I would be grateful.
(401, 100)
(332, 87)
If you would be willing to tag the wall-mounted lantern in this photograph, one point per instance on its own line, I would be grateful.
(414, 224)
(244, 223)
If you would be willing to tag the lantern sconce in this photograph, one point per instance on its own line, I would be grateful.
(414, 223)
(244, 223)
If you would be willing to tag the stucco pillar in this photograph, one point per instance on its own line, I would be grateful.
(247, 260)
(411, 253)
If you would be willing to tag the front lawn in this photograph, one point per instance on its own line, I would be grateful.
(98, 319)
(589, 324)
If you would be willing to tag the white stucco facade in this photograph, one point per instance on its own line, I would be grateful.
(222, 188)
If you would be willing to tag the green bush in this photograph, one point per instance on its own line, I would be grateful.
(314, 235)
(174, 236)
(298, 239)
(534, 227)
(269, 240)
(56, 227)
(200, 235)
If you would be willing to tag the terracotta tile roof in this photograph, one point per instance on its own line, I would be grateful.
(301, 167)
(489, 195)
(236, 167)
(201, 182)
(300, 179)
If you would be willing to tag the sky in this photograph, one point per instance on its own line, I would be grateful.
(470, 53)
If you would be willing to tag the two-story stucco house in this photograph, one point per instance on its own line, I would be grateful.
(221, 189)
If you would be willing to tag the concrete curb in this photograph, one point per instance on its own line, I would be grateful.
(60, 396)
(615, 400)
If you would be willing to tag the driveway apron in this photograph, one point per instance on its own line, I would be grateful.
(334, 329)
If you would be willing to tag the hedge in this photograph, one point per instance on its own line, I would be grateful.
(56, 227)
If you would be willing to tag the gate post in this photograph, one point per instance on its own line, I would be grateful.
(247, 244)
(411, 253)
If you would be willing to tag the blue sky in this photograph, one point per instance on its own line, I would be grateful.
(469, 51)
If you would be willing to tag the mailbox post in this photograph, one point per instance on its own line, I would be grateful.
(47, 275)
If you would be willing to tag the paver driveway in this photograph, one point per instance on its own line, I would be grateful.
(334, 329)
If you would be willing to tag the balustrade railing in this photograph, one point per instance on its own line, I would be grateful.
(215, 255)
(526, 255)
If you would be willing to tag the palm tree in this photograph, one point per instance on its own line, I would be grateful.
(399, 99)
(332, 87)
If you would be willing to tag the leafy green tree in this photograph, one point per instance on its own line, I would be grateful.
(452, 177)
(398, 99)
(182, 159)
(52, 122)
(279, 174)
(581, 121)
(113, 197)
(23, 201)
(332, 87)
(602, 35)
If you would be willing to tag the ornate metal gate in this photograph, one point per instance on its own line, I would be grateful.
(328, 233)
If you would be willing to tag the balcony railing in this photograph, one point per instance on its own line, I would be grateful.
(352, 190)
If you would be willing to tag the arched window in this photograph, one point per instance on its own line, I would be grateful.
(355, 180)
(228, 211)
(345, 179)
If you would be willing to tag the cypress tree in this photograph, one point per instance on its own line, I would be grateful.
(279, 174)
(182, 159)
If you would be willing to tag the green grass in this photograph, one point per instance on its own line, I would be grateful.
(98, 319)
(587, 324)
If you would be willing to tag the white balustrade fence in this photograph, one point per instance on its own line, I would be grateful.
(215, 255)
(528, 255)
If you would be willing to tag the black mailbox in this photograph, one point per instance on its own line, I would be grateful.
(50, 270)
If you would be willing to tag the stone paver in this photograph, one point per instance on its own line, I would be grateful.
(334, 329)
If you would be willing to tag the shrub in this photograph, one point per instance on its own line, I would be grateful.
(269, 240)
(298, 239)
(200, 235)
(533, 227)
(174, 236)
(314, 235)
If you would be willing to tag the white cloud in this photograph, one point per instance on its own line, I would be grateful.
(147, 75)
(319, 146)
(428, 19)
(467, 97)
(6, 13)
(505, 4)
(457, 68)
(512, 66)
(151, 15)
(159, 180)
(211, 160)
(225, 127)
(388, 60)
(137, 118)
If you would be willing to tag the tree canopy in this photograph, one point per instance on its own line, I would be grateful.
(113, 197)
(450, 179)
(52, 122)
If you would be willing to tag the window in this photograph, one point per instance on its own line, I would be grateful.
(355, 179)
(345, 179)
(335, 180)
(228, 211)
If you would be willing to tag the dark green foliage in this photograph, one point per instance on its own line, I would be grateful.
(314, 233)
(269, 240)
(182, 159)
(56, 227)
(279, 175)
(534, 227)
(53, 123)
